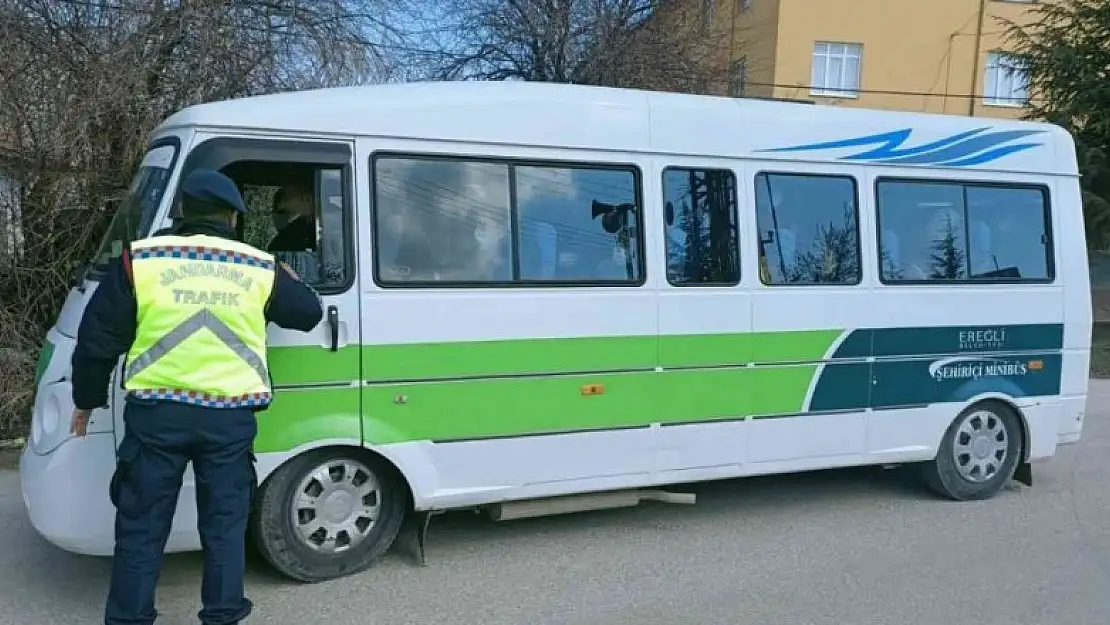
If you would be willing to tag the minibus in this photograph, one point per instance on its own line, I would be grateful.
(544, 298)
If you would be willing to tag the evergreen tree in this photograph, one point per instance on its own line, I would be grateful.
(1066, 51)
(948, 255)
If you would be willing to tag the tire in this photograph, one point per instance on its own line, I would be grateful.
(347, 540)
(981, 433)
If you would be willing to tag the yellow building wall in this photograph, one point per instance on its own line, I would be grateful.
(754, 36)
(908, 47)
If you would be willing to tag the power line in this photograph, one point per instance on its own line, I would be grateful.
(920, 94)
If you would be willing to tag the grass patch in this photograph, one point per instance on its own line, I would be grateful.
(1100, 350)
(1100, 360)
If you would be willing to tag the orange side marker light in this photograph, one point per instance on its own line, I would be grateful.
(593, 389)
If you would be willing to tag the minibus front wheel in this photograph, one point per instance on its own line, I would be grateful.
(328, 513)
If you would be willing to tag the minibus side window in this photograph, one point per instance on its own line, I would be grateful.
(701, 228)
(298, 216)
(955, 232)
(446, 221)
(808, 229)
(442, 221)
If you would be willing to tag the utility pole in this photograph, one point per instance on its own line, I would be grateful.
(975, 58)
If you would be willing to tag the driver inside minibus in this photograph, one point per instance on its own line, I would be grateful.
(294, 215)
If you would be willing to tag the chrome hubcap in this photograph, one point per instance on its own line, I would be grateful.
(980, 446)
(336, 506)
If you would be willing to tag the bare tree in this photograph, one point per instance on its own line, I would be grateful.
(654, 44)
(83, 82)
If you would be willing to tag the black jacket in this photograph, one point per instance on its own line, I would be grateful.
(109, 323)
(297, 236)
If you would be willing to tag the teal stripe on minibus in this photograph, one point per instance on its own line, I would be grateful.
(918, 366)
(926, 341)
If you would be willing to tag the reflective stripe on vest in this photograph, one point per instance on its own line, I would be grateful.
(201, 320)
(201, 334)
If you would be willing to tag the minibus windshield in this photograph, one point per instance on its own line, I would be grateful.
(139, 206)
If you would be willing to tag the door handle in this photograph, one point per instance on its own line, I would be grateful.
(333, 327)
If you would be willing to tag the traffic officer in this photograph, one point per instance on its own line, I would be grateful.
(190, 309)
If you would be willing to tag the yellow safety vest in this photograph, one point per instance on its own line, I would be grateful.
(201, 327)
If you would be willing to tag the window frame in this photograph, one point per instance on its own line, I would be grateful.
(824, 91)
(1049, 231)
(856, 214)
(514, 221)
(736, 238)
(223, 150)
(997, 62)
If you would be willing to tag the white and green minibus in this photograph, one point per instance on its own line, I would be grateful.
(542, 298)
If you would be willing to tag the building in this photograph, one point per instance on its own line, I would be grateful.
(887, 54)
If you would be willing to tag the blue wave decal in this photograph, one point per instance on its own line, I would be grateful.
(990, 155)
(971, 147)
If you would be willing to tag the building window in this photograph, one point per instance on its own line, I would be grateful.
(808, 232)
(1007, 80)
(949, 232)
(701, 233)
(457, 222)
(836, 69)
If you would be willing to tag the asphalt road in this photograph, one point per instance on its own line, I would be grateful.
(849, 547)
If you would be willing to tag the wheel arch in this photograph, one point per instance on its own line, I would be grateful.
(1006, 402)
(375, 456)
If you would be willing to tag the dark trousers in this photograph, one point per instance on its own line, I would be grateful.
(161, 438)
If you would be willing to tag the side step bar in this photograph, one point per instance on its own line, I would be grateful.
(512, 510)
(530, 508)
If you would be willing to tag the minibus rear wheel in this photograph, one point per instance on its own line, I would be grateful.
(979, 453)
